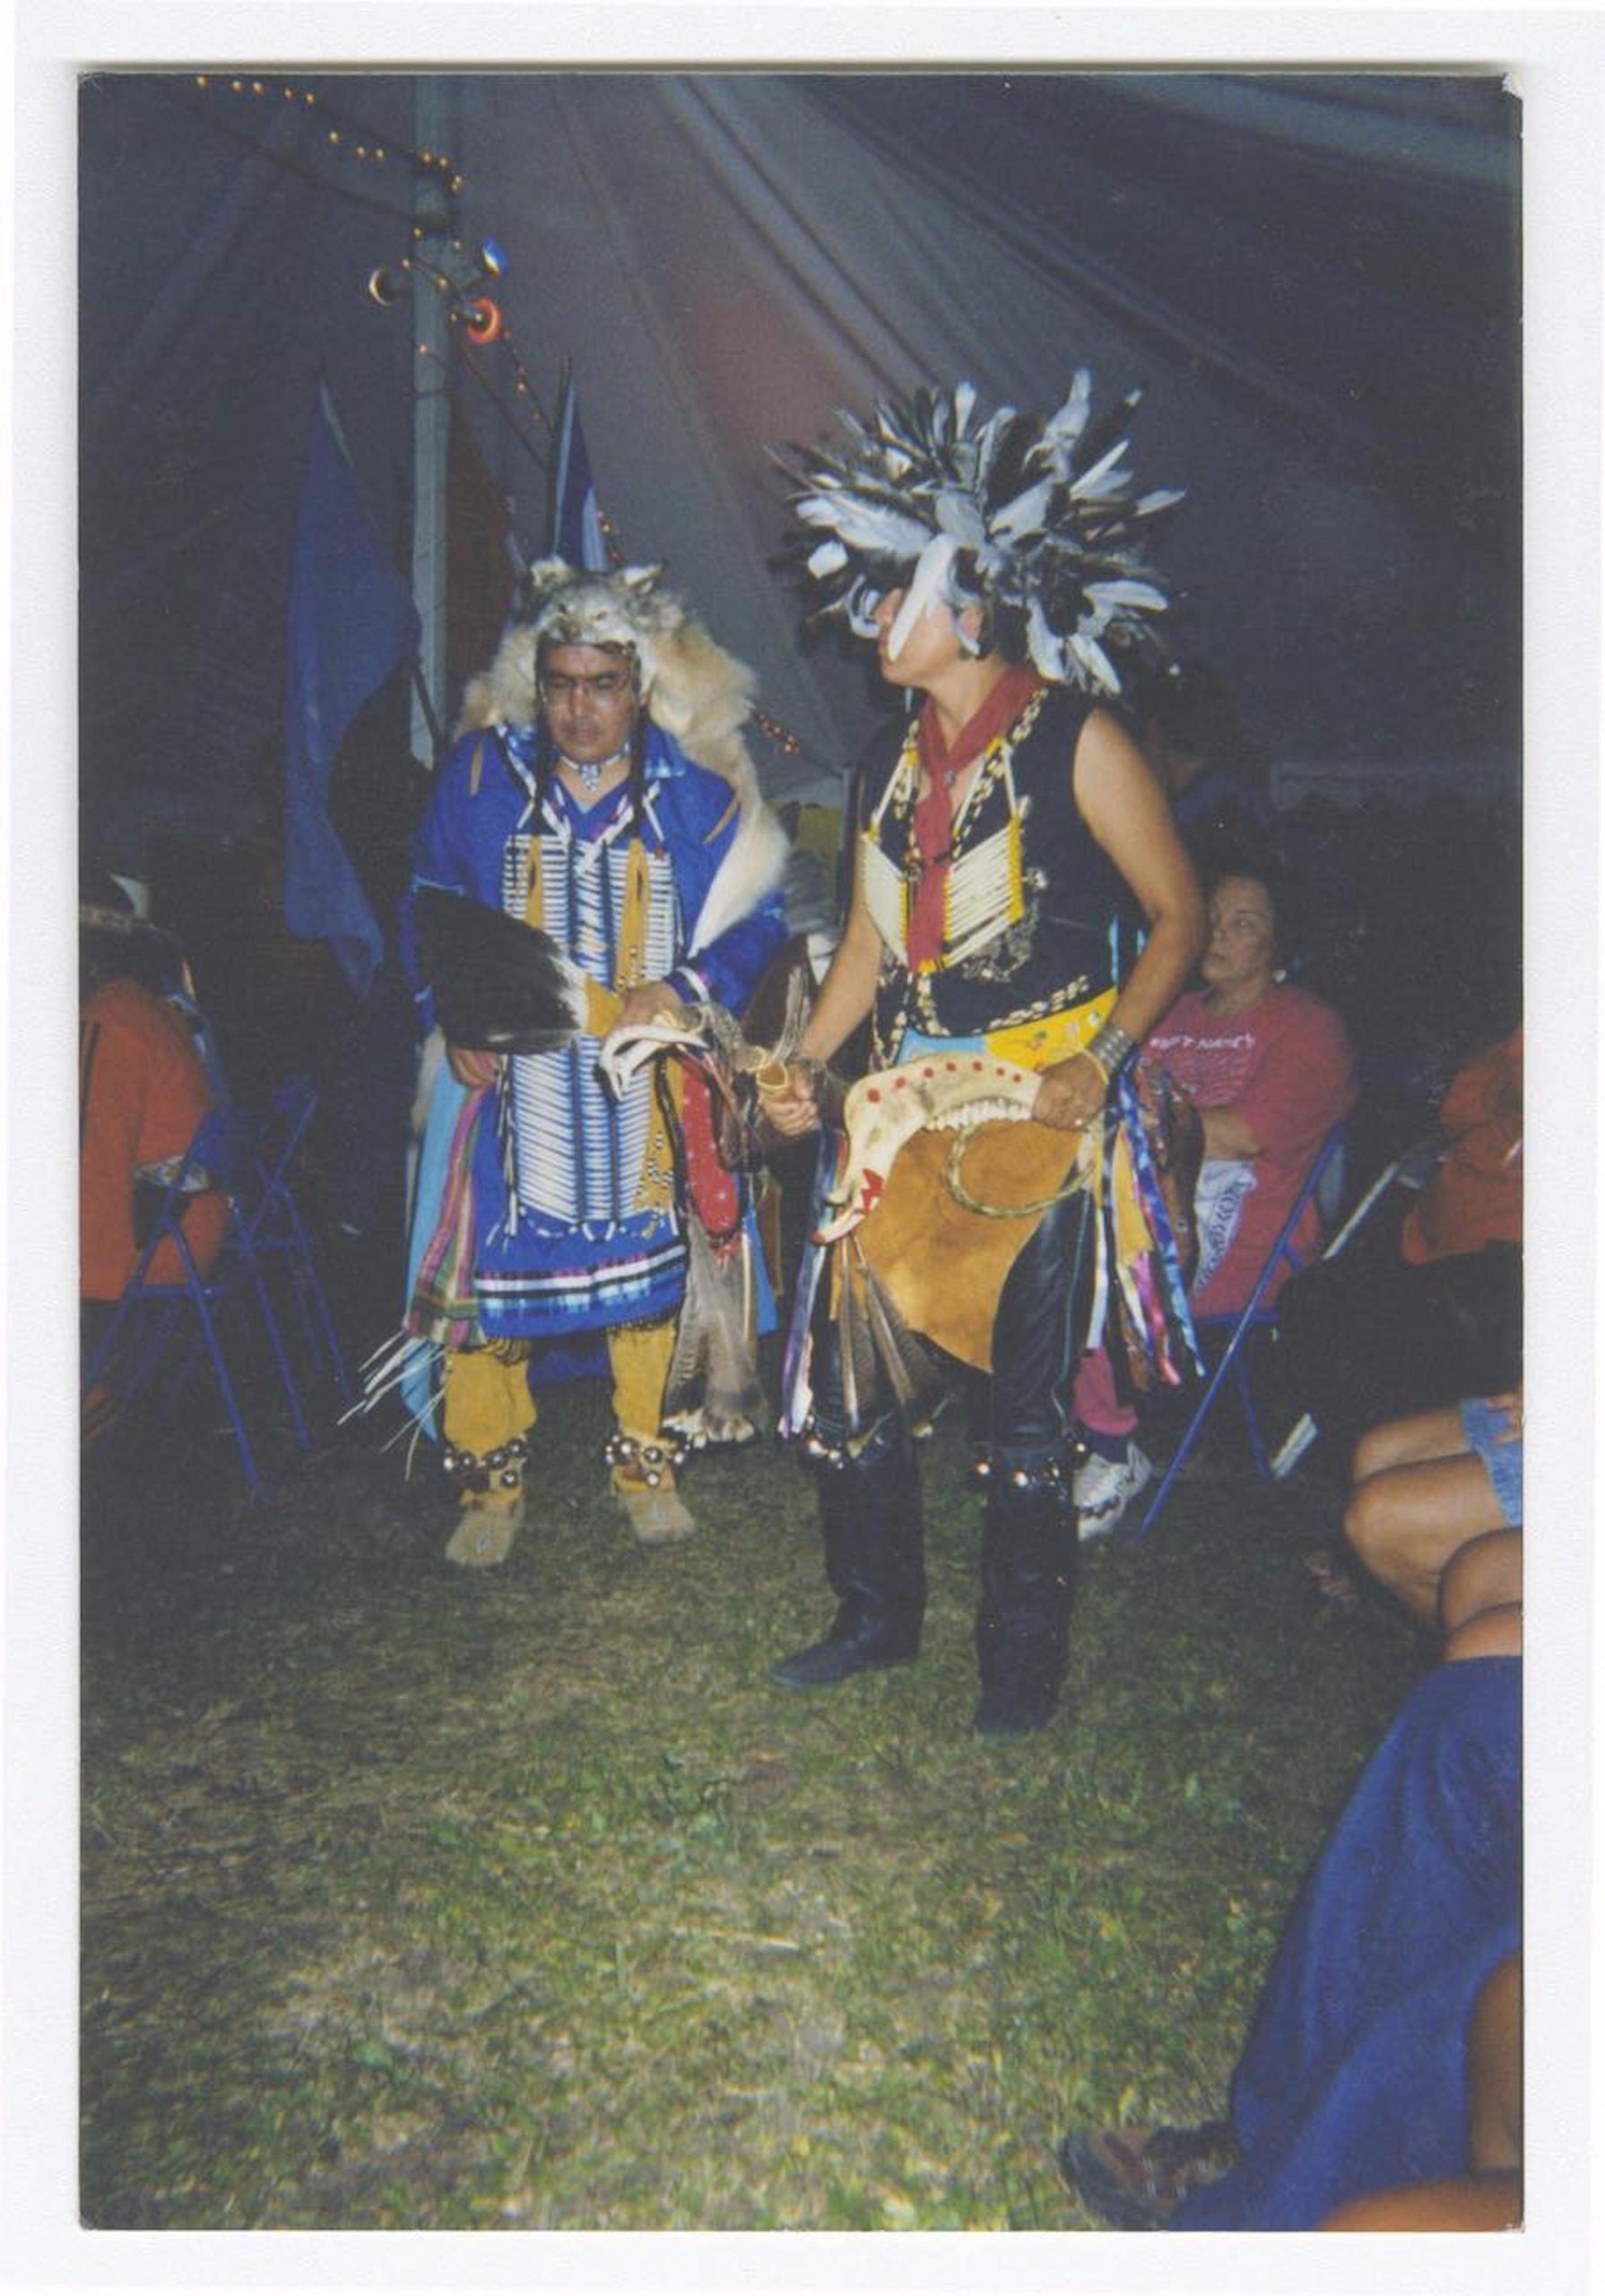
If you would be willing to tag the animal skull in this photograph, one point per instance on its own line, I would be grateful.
(627, 1050)
(951, 1091)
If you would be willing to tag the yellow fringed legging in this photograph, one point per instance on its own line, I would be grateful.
(487, 1401)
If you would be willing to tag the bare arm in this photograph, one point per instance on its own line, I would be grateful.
(846, 994)
(847, 991)
(1129, 815)
(1227, 1134)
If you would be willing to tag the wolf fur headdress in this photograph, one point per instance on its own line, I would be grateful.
(1032, 517)
(691, 688)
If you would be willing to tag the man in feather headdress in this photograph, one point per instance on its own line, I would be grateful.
(601, 791)
(998, 568)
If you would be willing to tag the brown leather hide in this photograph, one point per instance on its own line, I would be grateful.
(944, 1267)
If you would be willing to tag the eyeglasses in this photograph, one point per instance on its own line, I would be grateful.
(608, 686)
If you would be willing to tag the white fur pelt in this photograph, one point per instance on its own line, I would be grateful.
(697, 693)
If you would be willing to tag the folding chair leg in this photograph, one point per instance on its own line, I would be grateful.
(180, 1378)
(1195, 1425)
(1279, 1255)
(308, 1284)
(1251, 1418)
(318, 1319)
(103, 1352)
(342, 1378)
(226, 1389)
(291, 1392)
(309, 1331)
(144, 1361)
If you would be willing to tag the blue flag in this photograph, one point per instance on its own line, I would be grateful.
(352, 622)
(577, 532)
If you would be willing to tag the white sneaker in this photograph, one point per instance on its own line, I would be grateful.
(1104, 1488)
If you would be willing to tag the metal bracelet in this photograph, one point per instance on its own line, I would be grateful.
(1110, 1048)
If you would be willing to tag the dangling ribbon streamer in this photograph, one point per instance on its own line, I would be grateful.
(1166, 1286)
(796, 1378)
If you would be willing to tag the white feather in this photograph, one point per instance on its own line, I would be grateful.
(1048, 648)
(1025, 513)
(860, 609)
(925, 589)
(958, 515)
(869, 526)
(1091, 655)
(987, 442)
(1091, 480)
(1109, 597)
(1066, 424)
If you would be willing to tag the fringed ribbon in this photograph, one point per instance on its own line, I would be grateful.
(1143, 1276)
(442, 1307)
(715, 1198)
(796, 1376)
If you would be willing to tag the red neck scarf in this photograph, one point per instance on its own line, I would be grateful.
(941, 764)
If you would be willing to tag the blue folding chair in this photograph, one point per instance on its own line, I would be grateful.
(1322, 1185)
(279, 1232)
(222, 1158)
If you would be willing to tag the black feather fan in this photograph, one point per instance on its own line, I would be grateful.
(499, 985)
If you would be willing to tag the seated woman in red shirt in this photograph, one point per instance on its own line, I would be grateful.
(1268, 1067)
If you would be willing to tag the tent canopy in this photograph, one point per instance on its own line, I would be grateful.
(1314, 277)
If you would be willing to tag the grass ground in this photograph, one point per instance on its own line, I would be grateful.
(430, 1898)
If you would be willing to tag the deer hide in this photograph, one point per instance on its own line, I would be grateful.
(945, 1267)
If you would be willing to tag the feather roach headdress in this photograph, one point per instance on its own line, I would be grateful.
(1033, 519)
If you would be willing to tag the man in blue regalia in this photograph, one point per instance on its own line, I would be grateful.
(600, 790)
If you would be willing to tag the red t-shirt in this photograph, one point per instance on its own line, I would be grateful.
(1283, 1066)
(141, 1090)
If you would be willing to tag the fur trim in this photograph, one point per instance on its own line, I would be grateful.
(694, 691)
(754, 866)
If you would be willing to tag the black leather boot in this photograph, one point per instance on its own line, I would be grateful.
(874, 1558)
(1028, 1579)
(1028, 1540)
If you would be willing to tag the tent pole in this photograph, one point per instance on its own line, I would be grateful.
(431, 416)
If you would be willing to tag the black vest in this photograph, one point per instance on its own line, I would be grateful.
(1067, 944)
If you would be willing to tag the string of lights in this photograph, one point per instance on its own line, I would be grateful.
(784, 740)
(518, 429)
(245, 128)
(339, 134)
(475, 317)
(344, 135)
